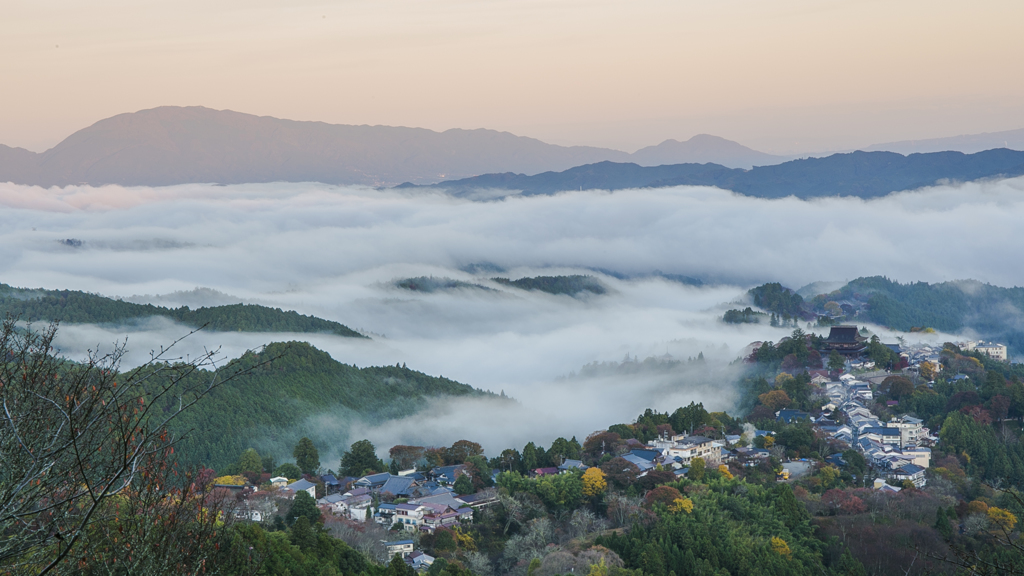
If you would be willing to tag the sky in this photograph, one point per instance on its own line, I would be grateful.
(336, 252)
(786, 77)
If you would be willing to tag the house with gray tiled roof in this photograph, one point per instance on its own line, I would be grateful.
(303, 485)
(570, 464)
(401, 486)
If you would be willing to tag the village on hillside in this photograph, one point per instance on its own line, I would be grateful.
(395, 509)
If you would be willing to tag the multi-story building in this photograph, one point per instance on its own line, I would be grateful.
(686, 448)
(910, 429)
(410, 516)
(991, 349)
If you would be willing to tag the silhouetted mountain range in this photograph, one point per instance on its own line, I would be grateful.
(863, 174)
(173, 145)
(968, 143)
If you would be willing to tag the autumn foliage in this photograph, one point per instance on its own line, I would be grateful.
(776, 399)
(594, 483)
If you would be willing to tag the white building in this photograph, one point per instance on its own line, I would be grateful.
(910, 429)
(686, 448)
(993, 350)
(403, 547)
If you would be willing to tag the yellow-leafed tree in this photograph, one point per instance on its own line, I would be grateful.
(682, 505)
(1002, 518)
(928, 370)
(594, 483)
(780, 547)
(724, 471)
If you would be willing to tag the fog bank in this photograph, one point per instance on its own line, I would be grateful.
(336, 252)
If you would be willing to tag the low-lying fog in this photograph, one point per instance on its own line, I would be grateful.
(335, 252)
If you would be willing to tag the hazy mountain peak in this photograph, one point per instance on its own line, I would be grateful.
(702, 149)
(184, 144)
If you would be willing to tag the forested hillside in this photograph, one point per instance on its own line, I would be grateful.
(431, 284)
(738, 516)
(861, 174)
(987, 312)
(570, 285)
(993, 312)
(81, 307)
(302, 391)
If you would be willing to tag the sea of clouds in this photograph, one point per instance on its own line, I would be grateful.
(334, 252)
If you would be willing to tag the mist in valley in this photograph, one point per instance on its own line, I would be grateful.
(337, 253)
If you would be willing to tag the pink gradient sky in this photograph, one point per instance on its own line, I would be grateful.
(783, 76)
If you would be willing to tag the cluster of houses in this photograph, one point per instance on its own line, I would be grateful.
(677, 452)
(897, 449)
(418, 501)
(915, 355)
(417, 559)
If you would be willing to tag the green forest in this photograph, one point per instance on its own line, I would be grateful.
(431, 284)
(616, 520)
(739, 517)
(568, 285)
(992, 312)
(572, 285)
(293, 390)
(74, 306)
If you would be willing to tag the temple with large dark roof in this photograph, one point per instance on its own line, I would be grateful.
(846, 340)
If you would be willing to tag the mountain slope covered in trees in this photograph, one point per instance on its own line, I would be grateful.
(301, 391)
(861, 174)
(977, 309)
(992, 312)
(75, 306)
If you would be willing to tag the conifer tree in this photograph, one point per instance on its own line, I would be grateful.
(307, 458)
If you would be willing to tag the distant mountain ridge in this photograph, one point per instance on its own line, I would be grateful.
(77, 307)
(177, 145)
(967, 143)
(861, 174)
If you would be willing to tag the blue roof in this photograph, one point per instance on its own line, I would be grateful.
(836, 459)
(448, 472)
(398, 543)
(910, 469)
(641, 463)
(374, 479)
(790, 415)
(398, 485)
(571, 464)
(301, 485)
(329, 480)
(881, 431)
(646, 454)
